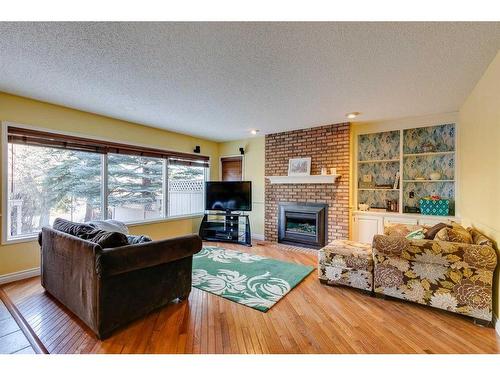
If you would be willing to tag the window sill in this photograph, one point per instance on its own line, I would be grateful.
(161, 220)
(34, 237)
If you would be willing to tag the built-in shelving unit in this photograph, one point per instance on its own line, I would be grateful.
(415, 153)
(378, 156)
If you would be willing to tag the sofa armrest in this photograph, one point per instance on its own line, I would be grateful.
(128, 258)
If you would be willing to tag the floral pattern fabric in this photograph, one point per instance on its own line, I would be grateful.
(346, 263)
(456, 277)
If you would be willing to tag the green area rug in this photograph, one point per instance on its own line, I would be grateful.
(248, 279)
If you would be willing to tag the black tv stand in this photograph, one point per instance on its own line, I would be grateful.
(226, 227)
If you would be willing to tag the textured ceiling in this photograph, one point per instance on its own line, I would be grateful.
(219, 80)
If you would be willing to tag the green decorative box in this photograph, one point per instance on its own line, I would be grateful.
(440, 207)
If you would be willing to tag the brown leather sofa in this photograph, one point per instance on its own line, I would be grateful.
(107, 288)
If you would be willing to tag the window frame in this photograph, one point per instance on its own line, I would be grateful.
(104, 183)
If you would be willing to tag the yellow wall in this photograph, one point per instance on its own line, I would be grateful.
(253, 170)
(22, 256)
(479, 145)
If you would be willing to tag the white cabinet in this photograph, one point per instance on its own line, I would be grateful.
(365, 227)
(367, 224)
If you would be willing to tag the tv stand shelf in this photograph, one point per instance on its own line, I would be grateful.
(226, 227)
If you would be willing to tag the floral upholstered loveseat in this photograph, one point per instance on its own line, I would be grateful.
(448, 275)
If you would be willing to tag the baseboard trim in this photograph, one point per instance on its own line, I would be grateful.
(258, 237)
(20, 275)
(496, 324)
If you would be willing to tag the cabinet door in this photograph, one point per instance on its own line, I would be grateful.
(365, 227)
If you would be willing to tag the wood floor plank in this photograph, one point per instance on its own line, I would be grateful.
(312, 318)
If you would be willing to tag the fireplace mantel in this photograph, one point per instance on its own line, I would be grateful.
(312, 179)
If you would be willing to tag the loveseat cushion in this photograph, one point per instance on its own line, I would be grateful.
(70, 227)
(106, 239)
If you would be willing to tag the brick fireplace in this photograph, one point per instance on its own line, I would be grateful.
(328, 146)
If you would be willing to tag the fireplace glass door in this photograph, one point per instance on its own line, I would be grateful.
(304, 224)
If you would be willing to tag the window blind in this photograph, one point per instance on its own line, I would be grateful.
(41, 138)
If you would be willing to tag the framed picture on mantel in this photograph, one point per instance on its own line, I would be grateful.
(299, 167)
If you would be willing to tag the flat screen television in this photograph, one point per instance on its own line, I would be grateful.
(228, 196)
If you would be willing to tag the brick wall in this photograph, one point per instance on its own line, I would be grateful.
(328, 146)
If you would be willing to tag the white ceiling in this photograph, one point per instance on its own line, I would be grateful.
(219, 80)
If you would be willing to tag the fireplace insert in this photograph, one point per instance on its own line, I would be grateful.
(302, 224)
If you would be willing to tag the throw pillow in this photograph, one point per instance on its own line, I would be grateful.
(416, 235)
(400, 230)
(480, 239)
(106, 239)
(453, 235)
(70, 227)
(431, 232)
(133, 240)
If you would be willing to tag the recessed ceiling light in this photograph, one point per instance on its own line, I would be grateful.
(254, 131)
(352, 115)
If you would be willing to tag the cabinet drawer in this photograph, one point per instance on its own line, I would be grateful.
(400, 220)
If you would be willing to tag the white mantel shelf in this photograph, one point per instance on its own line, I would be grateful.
(312, 179)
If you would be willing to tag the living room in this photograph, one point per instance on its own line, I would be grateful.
(249, 188)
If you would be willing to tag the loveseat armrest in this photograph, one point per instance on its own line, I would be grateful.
(129, 258)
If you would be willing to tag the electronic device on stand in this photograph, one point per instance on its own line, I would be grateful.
(223, 220)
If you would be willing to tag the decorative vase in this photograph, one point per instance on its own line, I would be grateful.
(435, 176)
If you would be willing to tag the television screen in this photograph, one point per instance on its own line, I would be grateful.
(228, 195)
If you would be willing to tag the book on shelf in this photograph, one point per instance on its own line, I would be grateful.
(396, 181)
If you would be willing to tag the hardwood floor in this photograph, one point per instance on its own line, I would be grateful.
(312, 318)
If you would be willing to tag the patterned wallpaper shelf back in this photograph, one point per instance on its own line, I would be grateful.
(379, 146)
(425, 150)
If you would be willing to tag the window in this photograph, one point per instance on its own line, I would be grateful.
(185, 189)
(51, 176)
(135, 187)
(45, 183)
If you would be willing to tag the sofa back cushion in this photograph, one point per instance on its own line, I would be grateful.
(70, 227)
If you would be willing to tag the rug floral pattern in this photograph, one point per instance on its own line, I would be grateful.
(248, 279)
